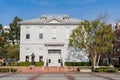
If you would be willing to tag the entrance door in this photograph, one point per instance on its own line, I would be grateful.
(54, 57)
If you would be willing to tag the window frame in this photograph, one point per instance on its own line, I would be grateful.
(27, 36)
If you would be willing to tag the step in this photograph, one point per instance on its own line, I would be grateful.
(54, 69)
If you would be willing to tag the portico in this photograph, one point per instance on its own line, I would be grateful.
(54, 57)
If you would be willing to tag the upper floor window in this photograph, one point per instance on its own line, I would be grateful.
(67, 34)
(54, 33)
(40, 35)
(27, 36)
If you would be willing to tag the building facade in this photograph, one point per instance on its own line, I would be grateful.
(47, 39)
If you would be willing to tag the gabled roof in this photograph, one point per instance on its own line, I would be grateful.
(45, 20)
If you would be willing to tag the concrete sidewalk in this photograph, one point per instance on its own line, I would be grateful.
(61, 76)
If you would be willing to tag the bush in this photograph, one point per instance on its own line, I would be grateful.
(8, 70)
(77, 63)
(0, 63)
(4, 70)
(106, 69)
(39, 63)
(24, 64)
(13, 70)
(29, 63)
(117, 65)
(103, 69)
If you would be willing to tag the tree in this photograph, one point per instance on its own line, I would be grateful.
(14, 32)
(94, 37)
(1, 30)
(3, 41)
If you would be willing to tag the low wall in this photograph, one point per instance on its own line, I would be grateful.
(79, 69)
(36, 69)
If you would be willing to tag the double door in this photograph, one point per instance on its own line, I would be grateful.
(54, 58)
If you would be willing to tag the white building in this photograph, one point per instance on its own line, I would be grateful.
(47, 38)
(6, 28)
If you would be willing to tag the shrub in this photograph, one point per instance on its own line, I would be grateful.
(24, 64)
(77, 63)
(29, 63)
(39, 63)
(103, 69)
(4, 69)
(13, 70)
(8, 70)
(0, 63)
(106, 69)
(117, 65)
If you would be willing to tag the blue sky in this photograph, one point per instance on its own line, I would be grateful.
(81, 9)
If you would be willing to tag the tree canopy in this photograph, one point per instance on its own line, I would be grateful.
(8, 50)
(95, 37)
(14, 32)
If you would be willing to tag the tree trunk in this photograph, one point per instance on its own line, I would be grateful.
(94, 61)
(109, 59)
(98, 59)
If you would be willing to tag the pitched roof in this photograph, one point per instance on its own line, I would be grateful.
(49, 19)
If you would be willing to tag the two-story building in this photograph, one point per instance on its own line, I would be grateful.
(47, 38)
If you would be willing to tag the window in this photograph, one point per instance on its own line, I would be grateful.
(67, 34)
(59, 61)
(40, 58)
(27, 58)
(41, 36)
(54, 51)
(54, 33)
(54, 36)
(49, 60)
(27, 36)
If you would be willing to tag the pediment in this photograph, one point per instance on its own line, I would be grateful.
(54, 21)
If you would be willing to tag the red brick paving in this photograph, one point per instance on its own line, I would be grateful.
(101, 76)
(34, 77)
(70, 77)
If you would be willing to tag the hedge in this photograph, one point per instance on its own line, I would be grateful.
(77, 63)
(8, 70)
(39, 63)
(106, 69)
(29, 63)
(103, 69)
(24, 64)
(117, 65)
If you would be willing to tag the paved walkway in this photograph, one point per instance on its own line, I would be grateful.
(61, 76)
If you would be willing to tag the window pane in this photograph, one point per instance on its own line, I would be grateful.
(54, 36)
(27, 58)
(40, 58)
(59, 61)
(54, 51)
(49, 60)
(27, 36)
(41, 36)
